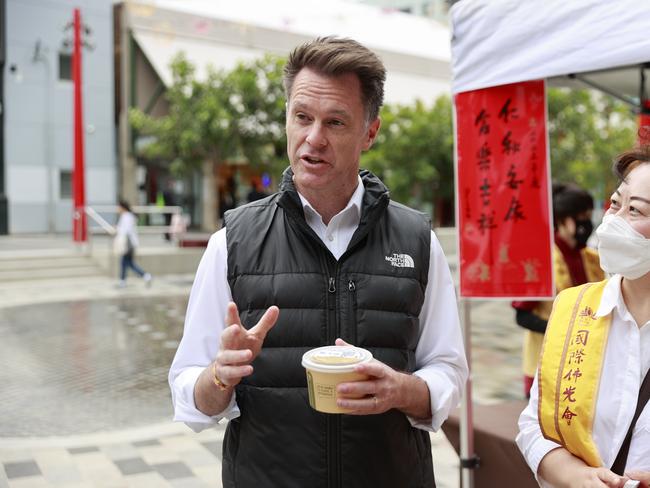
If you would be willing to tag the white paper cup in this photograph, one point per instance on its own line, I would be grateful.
(326, 368)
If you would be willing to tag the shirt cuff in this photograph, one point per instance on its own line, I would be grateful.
(185, 409)
(443, 397)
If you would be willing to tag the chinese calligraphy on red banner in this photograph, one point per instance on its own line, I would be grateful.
(503, 192)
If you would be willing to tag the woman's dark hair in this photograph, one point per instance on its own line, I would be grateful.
(569, 200)
(627, 161)
(124, 204)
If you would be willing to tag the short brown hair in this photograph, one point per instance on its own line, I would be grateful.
(627, 161)
(334, 56)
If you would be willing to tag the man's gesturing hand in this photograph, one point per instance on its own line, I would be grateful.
(239, 347)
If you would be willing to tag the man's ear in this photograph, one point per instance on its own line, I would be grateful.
(373, 130)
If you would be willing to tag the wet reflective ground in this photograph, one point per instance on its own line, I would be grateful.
(87, 366)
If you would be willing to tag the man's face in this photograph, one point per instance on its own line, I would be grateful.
(326, 132)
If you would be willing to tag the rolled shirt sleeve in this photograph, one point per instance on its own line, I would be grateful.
(440, 354)
(204, 323)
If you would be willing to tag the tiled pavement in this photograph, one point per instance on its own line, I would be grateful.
(159, 456)
(86, 336)
(165, 456)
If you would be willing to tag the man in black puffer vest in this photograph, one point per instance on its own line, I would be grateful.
(328, 259)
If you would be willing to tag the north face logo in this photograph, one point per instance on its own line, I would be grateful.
(401, 260)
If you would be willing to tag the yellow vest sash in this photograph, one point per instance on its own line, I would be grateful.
(569, 370)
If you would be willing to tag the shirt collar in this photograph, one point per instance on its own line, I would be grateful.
(612, 297)
(354, 204)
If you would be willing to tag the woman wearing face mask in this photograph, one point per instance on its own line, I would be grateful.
(588, 421)
(573, 264)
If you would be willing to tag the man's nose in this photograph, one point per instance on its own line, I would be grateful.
(316, 136)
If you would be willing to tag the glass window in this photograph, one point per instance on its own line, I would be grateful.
(65, 184)
(65, 66)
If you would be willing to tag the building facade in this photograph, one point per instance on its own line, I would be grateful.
(127, 65)
(220, 33)
(38, 111)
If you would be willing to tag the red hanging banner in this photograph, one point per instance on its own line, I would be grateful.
(503, 192)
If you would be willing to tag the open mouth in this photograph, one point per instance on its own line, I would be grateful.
(313, 160)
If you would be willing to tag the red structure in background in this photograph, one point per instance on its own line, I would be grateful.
(644, 122)
(79, 226)
(503, 192)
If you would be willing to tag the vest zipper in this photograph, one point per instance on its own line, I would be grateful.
(333, 421)
(352, 300)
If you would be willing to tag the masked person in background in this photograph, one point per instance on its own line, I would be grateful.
(587, 422)
(573, 264)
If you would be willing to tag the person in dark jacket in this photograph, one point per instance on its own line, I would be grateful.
(329, 259)
(573, 264)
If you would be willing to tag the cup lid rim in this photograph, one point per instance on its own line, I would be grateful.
(308, 362)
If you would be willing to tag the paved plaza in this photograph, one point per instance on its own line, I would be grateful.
(85, 395)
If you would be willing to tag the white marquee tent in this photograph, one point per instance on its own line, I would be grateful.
(600, 43)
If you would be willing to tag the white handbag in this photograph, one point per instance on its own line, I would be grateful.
(120, 244)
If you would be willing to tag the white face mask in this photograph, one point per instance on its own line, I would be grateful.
(622, 249)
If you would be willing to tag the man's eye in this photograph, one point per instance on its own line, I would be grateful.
(614, 203)
(336, 123)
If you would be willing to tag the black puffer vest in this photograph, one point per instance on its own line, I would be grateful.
(371, 297)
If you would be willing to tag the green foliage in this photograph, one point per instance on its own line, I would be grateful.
(228, 116)
(586, 131)
(239, 114)
(413, 153)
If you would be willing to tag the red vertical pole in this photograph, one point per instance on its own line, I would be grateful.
(79, 229)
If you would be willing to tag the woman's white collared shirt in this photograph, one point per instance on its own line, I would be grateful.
(627, 359)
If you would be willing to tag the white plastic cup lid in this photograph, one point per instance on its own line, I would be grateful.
(335, 359)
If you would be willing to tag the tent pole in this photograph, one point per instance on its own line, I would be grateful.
(469, 461)
(642, 86)
(619, 96)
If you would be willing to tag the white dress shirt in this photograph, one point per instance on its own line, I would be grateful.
(627, 359)
(439, 355)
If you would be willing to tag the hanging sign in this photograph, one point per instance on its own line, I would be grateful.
(503, 192)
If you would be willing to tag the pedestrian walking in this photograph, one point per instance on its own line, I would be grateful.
(126, 242)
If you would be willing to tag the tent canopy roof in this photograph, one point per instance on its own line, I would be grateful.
(499, 42)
